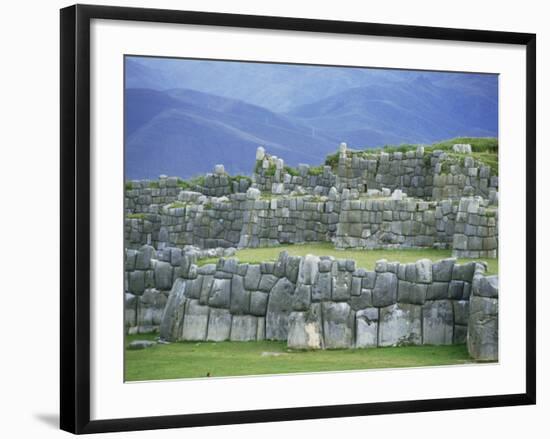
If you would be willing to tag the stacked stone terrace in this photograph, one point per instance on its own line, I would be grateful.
(312, 302)
(365, 205)
(364, 201)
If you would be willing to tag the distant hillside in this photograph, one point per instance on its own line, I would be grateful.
(184, 133)
(417, 112)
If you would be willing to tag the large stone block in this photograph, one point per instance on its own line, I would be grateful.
(219, 325)
(136, 282)
(173, 314)
(424, 271)
(461, 312)
(258, 303)
(308, 269)
(456, 289)
(437, 290)
(364, 300)
(252, 278)
(195, 321)
(267, 282)
(206, 288)
(302, 298)
(279, 306)
(322, 289)
(244, 328)
(437, 322)
(366, 328)
(338, 325)
(400, 324)
(385, 289)
(220, 293)
(442, 271)
(342, 286)
(305, 330)
(130, 310)
(240, 298)
(411, 292)
(151, 306)
(482, 337)
(144, 256)
(487, 286)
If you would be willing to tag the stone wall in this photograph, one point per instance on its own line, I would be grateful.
(435, 175)
(469, 226)
(476, 229)
(374, 223)
(319, 302)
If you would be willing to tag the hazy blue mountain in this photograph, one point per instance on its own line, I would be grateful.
(185, 133)
(277, 87)
(419, 111)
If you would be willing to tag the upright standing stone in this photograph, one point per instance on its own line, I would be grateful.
(305, 329)
(366, 328)
(400, 324)
(338, 325)
(438, 322)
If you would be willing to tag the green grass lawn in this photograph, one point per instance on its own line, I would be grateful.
(197, 359)
(364, 258)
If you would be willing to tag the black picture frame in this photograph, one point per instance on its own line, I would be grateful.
(75, 217)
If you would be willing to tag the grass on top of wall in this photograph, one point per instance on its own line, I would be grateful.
(200, 359)
(363, 258)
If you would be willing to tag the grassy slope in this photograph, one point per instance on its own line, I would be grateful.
(364, 258)
(195, 360)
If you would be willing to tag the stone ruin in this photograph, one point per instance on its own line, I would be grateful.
(398, 200)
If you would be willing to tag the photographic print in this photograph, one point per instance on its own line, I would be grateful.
(293, 218)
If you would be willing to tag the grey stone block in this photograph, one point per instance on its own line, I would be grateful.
(220, 293)
(366, 328)
(464, 272)
(461, 311)
(442, 271)
(252, 278)
(487, 286)
(409, 292)
(240, 298)
(456, 289)
(219, 325)
(136, 282)
(322, 290)
(209, 269)
(195, 321)
(342, 286)
(302, 297)
(279, 307)
(308, 269)
(482, 340)
(460, 333)
(400, 324)
(385, 289)
(258, 303)
(207, 281)
(364, 300)
(174, 311)
(144, 256)
(305, 329)
(338, 325)
(244, 328)
(437, 290)
(267, 282)
(292, 268)
(437, 322)
(424, 271)
(369, 280)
